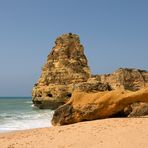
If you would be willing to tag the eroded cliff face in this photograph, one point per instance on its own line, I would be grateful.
(124, 78)
(66, 63)
(66, 70)
(66, 66)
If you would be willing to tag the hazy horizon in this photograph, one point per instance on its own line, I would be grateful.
(114, 34)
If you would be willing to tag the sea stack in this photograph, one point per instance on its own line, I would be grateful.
(66, 66)
(66, 71)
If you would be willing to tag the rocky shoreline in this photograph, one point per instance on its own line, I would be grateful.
(66, 79)
(91, 106)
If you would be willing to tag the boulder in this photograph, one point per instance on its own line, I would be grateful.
(90, 106)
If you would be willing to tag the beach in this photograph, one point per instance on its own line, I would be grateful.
(113, 132)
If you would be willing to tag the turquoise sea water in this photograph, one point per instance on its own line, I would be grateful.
(18, 113)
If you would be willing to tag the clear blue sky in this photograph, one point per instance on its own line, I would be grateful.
(113, 32)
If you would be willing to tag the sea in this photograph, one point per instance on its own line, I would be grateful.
(18, 113)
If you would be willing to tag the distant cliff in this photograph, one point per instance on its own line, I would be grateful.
(66, 70)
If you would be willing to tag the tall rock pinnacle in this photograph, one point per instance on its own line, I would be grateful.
(66, 63)
(66, 66)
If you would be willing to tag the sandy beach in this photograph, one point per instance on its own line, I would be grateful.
(115, 133)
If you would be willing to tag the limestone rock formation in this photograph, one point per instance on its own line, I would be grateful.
(66, 66)
(92, 87)
(66, 70)
(124, 78)
(90, 106)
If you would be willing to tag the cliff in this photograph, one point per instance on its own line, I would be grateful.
(126, 78)
(66, 70)
(66, 66)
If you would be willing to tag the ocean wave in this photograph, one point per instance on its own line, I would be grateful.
(26, 120)
(28, 102)
(21, 114)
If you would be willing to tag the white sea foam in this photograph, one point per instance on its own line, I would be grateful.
(26, 121)
(29, 102)
(21, 115)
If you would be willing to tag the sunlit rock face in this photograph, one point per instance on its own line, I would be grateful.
(125, 78)
(66, 70)
(65, 67)
(99, 105)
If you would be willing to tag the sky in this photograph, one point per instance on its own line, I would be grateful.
(114, 34)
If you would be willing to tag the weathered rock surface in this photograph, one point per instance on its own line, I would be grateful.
(66, 66)
(124, 78)
(92, 87)
(138, 109)
(66, 70)
(90, 106)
